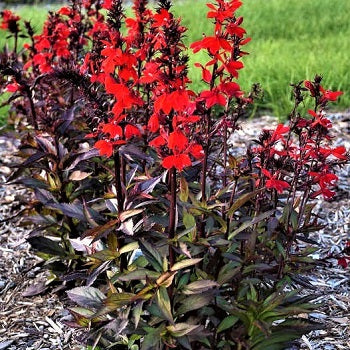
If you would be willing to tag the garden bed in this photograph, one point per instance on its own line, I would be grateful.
(34, 322)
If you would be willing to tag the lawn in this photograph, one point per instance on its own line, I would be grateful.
(292, 41)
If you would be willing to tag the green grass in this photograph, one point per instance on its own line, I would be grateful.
(291, 41)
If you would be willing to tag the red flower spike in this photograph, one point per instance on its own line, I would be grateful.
(179, 161)
(8, 17)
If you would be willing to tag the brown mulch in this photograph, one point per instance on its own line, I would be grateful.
(36, 322)
(30, 322)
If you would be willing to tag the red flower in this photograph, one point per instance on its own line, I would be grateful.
(233, 66)
(343, 262)
(177, 141)
(176, 100)
(320, 119)
(278, 185)
(179, 161)
(162, 18)
(153, 123)
(212, 44)
(197, 151)
(338, 152)
(280, 130)
(9, 20)
(150, 73)
(105, 147)
(12, 87)
(206, 75)
(113, 130)
(234, 29)
(107, 4)
(329, 95)
(308, 84)
(157, 142)
(131, 131)
(224, 11)
(213, 97)
(65, 11)
(231, 89)
(324, 180)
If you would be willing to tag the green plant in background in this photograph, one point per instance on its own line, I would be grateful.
(163, 235)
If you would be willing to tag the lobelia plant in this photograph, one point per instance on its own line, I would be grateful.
(174, 240)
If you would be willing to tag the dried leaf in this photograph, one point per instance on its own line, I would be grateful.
(199, 286)
(34, 289)
(78, 175)
(185, 263)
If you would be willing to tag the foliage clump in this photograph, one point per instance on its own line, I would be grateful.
(169, 237)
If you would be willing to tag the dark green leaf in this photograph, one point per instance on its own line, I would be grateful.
(227, 323)
(47, 246)
(254, 221)
(152, 255)
(194, 302)
(163, 301)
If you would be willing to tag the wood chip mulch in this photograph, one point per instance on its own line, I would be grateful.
(33, 322)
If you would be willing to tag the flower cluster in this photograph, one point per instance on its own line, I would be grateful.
(146, 73)
(63, 37)
(9, 21)
(301, 154)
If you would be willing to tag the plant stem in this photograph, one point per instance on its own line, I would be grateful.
(118, 181)
(206, 153)
(120, 200)
(172, 215)
(32, 108)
